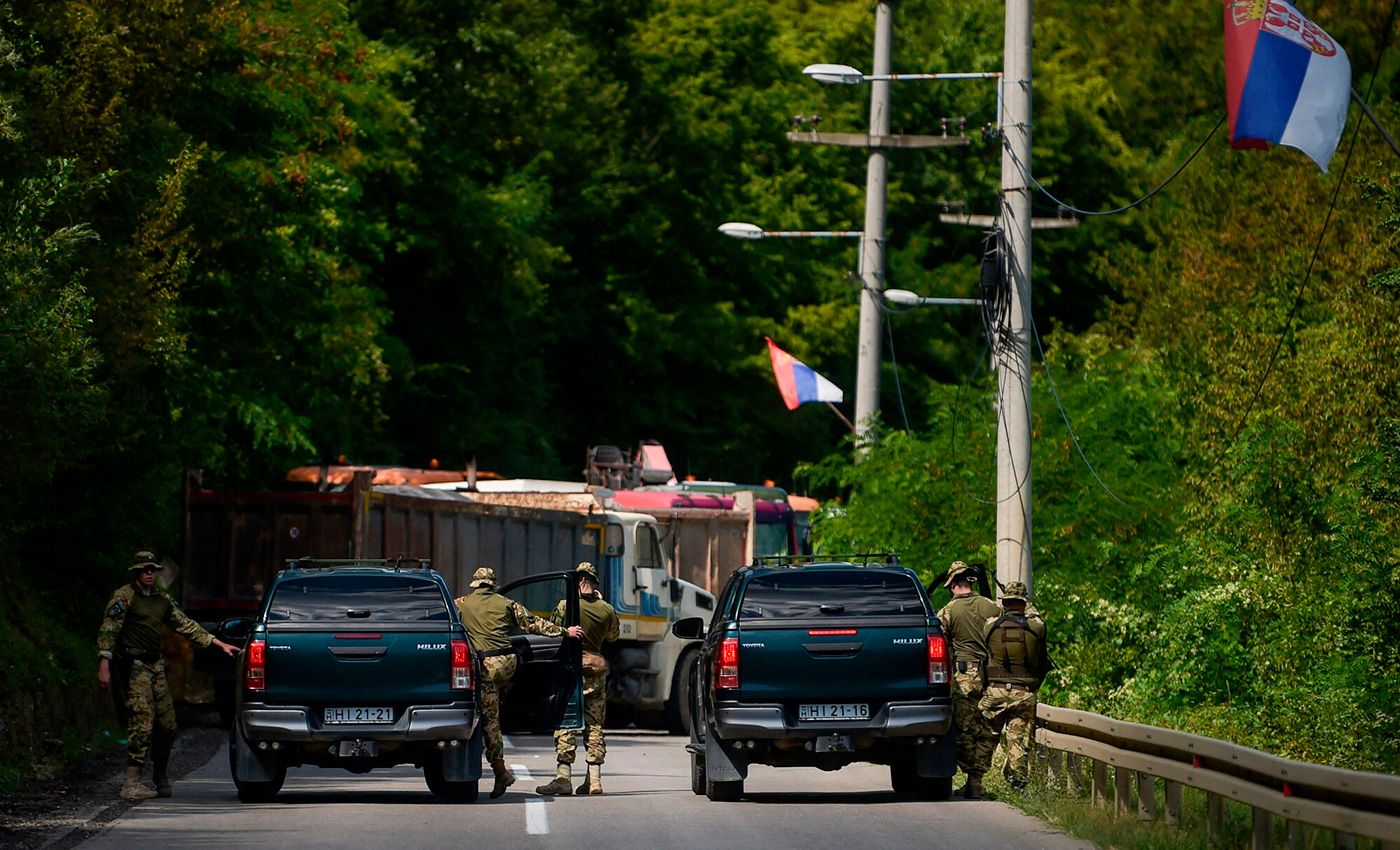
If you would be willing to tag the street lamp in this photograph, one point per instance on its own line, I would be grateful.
(846, 75)
(745, 230)
(905, 298)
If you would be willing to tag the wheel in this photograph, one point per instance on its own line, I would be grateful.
(903, 777)
(697, 774)
(253, 792)
(445, 789)
(936, 789)
(678, 706)
(724, 792)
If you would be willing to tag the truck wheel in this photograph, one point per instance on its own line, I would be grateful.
(903, 777)
(253, 792)
(936, 789)
(697, 773)
(724, 792)
(678, 706)
(446, 790)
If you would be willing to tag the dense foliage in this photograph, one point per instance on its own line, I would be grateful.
(243, 235)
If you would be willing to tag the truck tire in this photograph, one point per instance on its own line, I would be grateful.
(446, 790)
(253, 792)
(724, 792)
(936, 789)
(682, 684)
(697, 774)
(905, 780)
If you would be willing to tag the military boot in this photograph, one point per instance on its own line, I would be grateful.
(593, 785)
(163, 786)
(133, 789)
(973, 789)
(160, 759)
(504, 778)
(560, 787)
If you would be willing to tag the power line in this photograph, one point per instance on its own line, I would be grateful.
(1025, 172)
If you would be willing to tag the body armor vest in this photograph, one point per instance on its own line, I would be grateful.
(1014, 651)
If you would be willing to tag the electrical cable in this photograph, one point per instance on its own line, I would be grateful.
(1025, 173)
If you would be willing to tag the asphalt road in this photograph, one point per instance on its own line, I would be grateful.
(648, 804)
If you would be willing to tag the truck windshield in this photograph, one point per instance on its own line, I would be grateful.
(826, 593)
(358, 599)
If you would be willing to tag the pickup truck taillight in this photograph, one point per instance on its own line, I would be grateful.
(727, 664)
(937, 660)
(461, 666)
(255, 666)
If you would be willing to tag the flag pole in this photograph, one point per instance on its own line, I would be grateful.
(842, 417)
(1369, 114)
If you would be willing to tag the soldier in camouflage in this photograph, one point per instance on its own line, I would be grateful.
(1017, 661)
(600, 625)
(129, 655)
(490, 620)
(963, 619)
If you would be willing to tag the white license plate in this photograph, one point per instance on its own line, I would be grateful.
(360, 714)
(834, 711)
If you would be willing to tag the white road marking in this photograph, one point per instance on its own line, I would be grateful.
(536, 812)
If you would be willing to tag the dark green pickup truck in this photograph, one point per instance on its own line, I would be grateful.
(822, 663)
(365, 664)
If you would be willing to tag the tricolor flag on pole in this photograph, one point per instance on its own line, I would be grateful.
(797, 381)
(1286, 80)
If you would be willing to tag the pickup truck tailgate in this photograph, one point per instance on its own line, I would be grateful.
(329, 667)
(865, 664)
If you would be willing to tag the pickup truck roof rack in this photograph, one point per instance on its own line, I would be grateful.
(861, 559)
(398, 562)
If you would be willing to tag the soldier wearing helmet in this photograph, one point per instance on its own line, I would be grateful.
(490, 619)
(600, 625)
(131, 664)
(963, 620)
(1017, 661)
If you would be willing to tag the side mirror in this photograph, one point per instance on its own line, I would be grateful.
(236, 629)
(689, 628)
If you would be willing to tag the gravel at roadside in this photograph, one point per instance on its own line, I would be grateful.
(53, 814)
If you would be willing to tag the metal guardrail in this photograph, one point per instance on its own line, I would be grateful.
(1351, 803)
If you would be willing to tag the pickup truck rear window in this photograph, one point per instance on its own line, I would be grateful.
(358, 599)
(856, 593)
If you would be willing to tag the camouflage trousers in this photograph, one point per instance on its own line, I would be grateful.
(595, 704)
(150, 715)
(975, 737)
(495, 673)
(1011, 710)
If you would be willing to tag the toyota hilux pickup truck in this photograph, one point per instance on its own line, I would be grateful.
(822, 662)
(365, 664)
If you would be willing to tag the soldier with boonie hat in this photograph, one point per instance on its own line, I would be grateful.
(963, 620)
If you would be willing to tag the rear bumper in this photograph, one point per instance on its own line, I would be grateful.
(300, 724)
(893, 720)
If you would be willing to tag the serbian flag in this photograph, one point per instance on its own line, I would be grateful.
(798, 382)
(1286, 80)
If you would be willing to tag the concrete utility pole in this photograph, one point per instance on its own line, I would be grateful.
(1013, 349)
(872, 244)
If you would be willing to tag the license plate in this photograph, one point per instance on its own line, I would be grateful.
(360, 714)
(834, 711)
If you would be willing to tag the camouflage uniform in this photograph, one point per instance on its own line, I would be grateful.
(600, 625)
(1017, 663)
(130, 638)
(490, 620)
(963, 619)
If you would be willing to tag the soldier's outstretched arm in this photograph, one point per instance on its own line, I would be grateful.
(532, 624)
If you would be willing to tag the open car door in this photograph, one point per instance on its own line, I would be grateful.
(546, 692)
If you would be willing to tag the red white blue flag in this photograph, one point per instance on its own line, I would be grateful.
(1286, 80)
(798, 382)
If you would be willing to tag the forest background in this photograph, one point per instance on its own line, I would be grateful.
(243, 236)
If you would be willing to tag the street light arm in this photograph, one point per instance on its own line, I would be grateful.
(744, 230)
(905, 298)
(846, 75)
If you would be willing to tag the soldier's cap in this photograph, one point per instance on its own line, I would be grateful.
(142, 560)
(1015, 590)
(484, 577)
(586, 568)
(956, 571)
